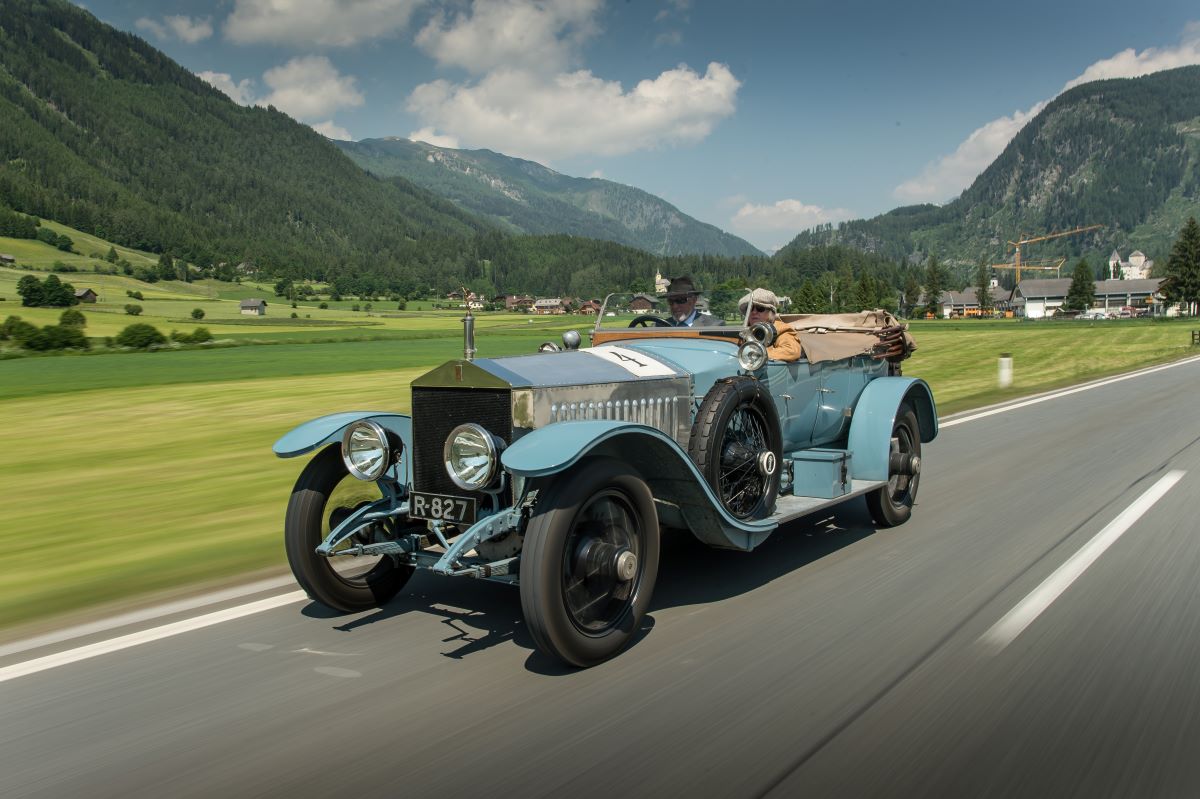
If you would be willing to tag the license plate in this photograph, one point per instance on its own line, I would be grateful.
(439, 507)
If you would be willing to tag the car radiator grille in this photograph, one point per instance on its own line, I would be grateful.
(437, 411)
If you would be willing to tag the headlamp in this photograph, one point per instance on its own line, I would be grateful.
(365, 450)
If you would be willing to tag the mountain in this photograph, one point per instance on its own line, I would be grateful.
(1122, 153)
(525, 197)
(102, 132)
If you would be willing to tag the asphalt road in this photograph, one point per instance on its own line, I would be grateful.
(835, 660)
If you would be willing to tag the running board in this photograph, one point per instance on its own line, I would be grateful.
(788, 508)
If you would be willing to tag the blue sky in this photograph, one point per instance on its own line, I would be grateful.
(762, 118)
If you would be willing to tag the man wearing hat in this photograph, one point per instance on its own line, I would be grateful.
(682, 296)
(763, 306)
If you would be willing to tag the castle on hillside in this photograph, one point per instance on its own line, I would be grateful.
(1136, 268)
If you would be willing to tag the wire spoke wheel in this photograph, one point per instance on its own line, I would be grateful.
(736, 444)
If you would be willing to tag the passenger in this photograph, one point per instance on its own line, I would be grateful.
(682, 296)
(763, 305)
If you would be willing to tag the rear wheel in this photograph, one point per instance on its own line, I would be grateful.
(324, 495)
(892, 504)
(589, 562)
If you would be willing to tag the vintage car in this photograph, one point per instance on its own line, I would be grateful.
(557, 470)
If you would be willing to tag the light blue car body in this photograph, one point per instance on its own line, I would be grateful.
(849, 405)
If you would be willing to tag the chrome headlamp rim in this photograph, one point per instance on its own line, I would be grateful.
(366, 431)
(752, 356)
(487, 442)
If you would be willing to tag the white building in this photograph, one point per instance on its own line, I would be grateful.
(1136, 268)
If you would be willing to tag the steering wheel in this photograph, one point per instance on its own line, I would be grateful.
(646, 320)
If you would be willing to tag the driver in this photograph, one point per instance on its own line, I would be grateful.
(682, 296)
(764, 306)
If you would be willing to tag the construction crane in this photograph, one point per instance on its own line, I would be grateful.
(1016, 263)
(1050, 265)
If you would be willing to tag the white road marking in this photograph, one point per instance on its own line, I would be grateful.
(1047, 397)
(1028, 609)
(146, 636)
(146, 614)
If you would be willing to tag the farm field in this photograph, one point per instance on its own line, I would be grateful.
(144, 473)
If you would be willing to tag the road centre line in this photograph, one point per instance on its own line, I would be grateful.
(146, 636)
(1066, 392)
(1003, 632)
(207, 620)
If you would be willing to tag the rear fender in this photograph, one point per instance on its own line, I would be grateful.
(875, 415)
(316, 433)
(683, 496)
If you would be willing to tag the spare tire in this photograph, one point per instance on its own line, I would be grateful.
(736, 443)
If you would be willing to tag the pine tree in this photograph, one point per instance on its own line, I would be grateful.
(935, 285)
(1182, 284)
(1082, 293)
(912, 292)
(809, 300)
(983, 288)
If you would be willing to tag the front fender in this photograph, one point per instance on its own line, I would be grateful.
(676, 483)
(874, 417)
(316, 433)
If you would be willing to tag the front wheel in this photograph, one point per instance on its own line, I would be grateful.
(324, 495)
(892, 504)
(589, 562)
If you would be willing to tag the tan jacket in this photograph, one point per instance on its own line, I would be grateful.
(787, 345)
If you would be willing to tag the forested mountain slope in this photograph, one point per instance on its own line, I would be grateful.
(1121, 153)
(100, 131)
(526, 197)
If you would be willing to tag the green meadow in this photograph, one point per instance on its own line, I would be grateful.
(130, 475)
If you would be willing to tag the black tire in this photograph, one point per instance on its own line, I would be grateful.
(735, 428)
(345, 583)
(577, 607)
(892, 504)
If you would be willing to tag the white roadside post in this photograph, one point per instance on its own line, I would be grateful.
(1005, 377)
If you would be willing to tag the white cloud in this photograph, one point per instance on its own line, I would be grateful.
(668, 39)
(430, 136)
(309, 88)
(540, 35)
(784, 215)
(241, 92)
(542, 118)
(156, 29)
(597, 174)
(332, 131)
(950, 174)
(186, 29)
(335, 23)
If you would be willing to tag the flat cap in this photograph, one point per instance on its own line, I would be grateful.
(763, 297)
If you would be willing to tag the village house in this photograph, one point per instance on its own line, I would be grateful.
(254, 307)
(86, 295)
(515, 302)
(643, 303)
(589, 307)
(548, 305)
(5, 258)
